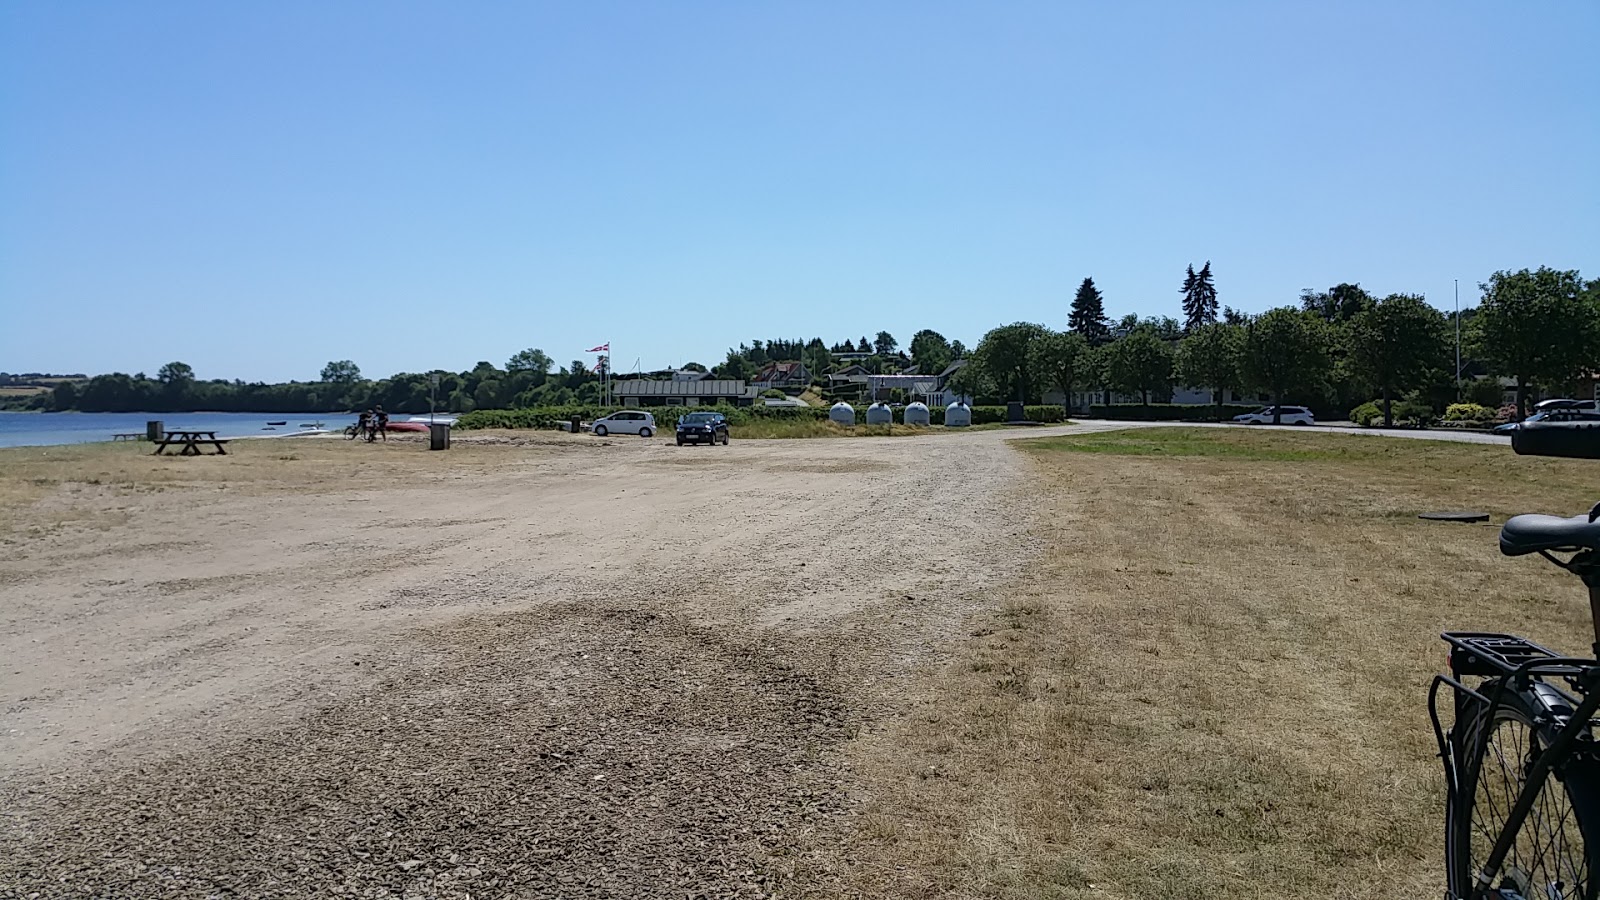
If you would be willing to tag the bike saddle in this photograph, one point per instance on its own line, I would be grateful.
(1531, 534)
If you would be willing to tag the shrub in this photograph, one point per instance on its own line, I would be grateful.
(1484, 391)
(1167, 412)
(1366, 414)
(1416, 412)
(666, 416)
(1467, 412)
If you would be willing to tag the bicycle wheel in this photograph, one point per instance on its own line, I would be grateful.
(1553, 856)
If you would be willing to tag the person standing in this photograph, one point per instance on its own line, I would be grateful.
(364, 424)
(383, 423)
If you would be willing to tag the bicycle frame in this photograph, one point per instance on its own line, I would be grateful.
(1519, 663)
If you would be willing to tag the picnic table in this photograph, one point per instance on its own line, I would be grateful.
(189, 442)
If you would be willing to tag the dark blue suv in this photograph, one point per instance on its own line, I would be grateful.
(698, 427)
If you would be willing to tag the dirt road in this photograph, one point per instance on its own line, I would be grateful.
(571, 669)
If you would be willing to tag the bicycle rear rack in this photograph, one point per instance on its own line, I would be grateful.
(1490, 655)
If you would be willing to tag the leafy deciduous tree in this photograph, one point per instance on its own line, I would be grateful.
(175, 373)
(1210, 357)
(1539, 327)
(1057, 358)
(532, 360)
(1394, 344)
(341, 372)
(1285, 350)
(1005, 356)
(930, 351)
(1139, 363)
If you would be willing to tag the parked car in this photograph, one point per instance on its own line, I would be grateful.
(1290, 415)
(1544, 405)
(626, 422)
(1553, 414)
(703, 428)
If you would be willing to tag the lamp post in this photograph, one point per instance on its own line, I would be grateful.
(1458, 340)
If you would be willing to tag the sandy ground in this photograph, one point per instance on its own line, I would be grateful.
(577, 670)
(554, 667)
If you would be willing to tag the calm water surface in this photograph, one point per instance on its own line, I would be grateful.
(28, 429)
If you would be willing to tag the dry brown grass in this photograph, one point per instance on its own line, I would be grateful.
(44, 488)
(1213, 682)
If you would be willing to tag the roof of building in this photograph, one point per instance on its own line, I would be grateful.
(710, 387)
(775, 371)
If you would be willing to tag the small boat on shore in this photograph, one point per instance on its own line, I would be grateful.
(408, 426)
(310, 424)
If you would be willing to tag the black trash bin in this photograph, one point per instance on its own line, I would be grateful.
(1016, 412)
(153, 431)
(576, 425)
(438, 436)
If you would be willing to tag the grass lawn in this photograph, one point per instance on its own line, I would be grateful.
(1211, 682)
(774, 429)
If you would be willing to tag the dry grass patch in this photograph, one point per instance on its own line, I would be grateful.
(1214, 684)
(45, 488)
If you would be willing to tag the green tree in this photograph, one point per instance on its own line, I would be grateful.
(532, 360)
(930, 351)
(487, 396)
(175, 373)
(694, 367)
(1199, 298)
(1088, 316)
(1541, 328)
(1210, 357)
(1005, 356)
(958, 350)
(1337, 304)
(1057, 360)
(1394, 345)
(1139, 363)
(969, 381)
(885, 345)
(64, 396)
(1285, 350)
(816, 357)
(736, 366)
(341, 372)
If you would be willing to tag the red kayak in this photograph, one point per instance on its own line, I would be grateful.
(408, 426)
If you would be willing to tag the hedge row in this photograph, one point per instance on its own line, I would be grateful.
(667, 416)
(1169, 412)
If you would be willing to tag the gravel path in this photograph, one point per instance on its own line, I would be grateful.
(597, 669)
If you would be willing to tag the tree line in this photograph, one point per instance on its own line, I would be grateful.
(1332, 350)
(928, 350)
(1335, 349)
(525, 380)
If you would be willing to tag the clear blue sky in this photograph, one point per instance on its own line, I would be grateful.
(258, 188)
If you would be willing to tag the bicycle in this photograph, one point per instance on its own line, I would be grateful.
(1522, 768)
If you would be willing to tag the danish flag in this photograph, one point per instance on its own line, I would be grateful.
(603, 348)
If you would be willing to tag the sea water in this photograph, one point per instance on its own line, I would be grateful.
(33, 429)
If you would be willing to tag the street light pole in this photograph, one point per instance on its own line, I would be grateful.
(1458, 340)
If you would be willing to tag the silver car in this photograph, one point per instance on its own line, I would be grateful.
(629, 421)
